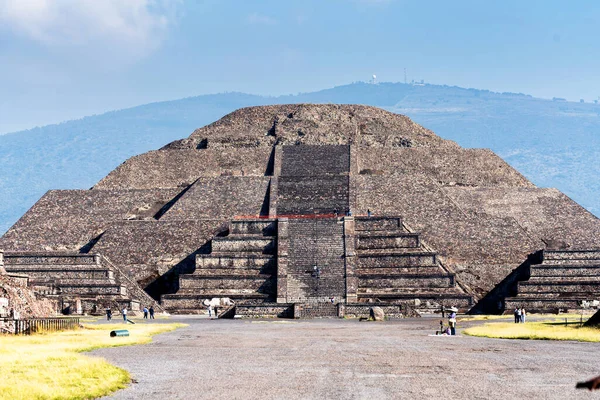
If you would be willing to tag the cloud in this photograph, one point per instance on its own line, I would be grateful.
(139, 24)
(259, 19)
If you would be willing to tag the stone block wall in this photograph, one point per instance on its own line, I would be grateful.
(67, 220)
(480, 248)
(546, 215)
(180, 168)
(145, 250)
(447, 166)
(223, 197)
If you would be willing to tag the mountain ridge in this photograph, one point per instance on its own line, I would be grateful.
(553, 143)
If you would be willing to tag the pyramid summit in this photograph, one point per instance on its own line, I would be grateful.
(283, 209)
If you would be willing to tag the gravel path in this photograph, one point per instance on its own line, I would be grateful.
(347, 359)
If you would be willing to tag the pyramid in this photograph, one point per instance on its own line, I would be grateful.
(317, 210)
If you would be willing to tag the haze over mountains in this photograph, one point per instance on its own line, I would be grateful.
(553, 143)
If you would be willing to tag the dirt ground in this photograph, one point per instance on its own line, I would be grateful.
(348, 359)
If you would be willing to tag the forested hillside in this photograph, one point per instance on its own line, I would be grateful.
(553, 143)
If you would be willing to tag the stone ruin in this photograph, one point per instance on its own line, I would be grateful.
(17, 300)
(269, 207)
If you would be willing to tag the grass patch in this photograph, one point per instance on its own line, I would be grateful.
(510, 317)
(50, 366)
(549, 330)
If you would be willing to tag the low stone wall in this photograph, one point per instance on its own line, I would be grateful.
(362, 310)
(266, 310)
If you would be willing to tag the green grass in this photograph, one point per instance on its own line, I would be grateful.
(51, 366)
(548, 330)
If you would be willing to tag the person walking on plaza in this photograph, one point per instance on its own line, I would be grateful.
(522, 315)
(124, 312)
(151, 312)
(517, 316)
(145, 312)
(108, 314)
(452, 320)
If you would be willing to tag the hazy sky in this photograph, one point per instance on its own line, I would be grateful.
(63, 59)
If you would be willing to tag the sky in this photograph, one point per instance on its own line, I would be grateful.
(65, 59)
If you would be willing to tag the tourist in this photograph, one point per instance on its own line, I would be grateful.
(210, 311)
(452, 321)
(368, 213)
(124, 312)
(522, 315)
(108, 314)
(151, 312)
(145, 312)
(517, 316)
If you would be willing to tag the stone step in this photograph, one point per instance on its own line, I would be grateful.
(223, 292)
(388, 241)
(384, 282)
(559, 295)
(571, 254)
(262, 227)
(573, 262)
(406, 290)
(68, 273)
(405, 270)
(249, 243)
(249, 271)
(378, 223)
(27, 258)
(532, 304)
(255, 283)
(559, 287)
(235, 260)
(395, 259)
(564, 270)
(564, 278)
(72, 281)
(97, 289)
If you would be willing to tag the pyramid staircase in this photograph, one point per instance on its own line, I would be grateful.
(241, 266)
(81, 282)
(566, 279)
(394, 267)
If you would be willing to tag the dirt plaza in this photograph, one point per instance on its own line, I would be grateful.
(347, 359)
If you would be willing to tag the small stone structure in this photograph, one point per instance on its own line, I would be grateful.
(256, 207)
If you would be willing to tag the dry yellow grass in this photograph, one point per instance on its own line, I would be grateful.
(50, 366)
(536, 331)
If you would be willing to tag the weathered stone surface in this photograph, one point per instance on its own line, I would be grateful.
(180, 168)
(376, 314)
(316, 124)
(67, 220)
(159, 212)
